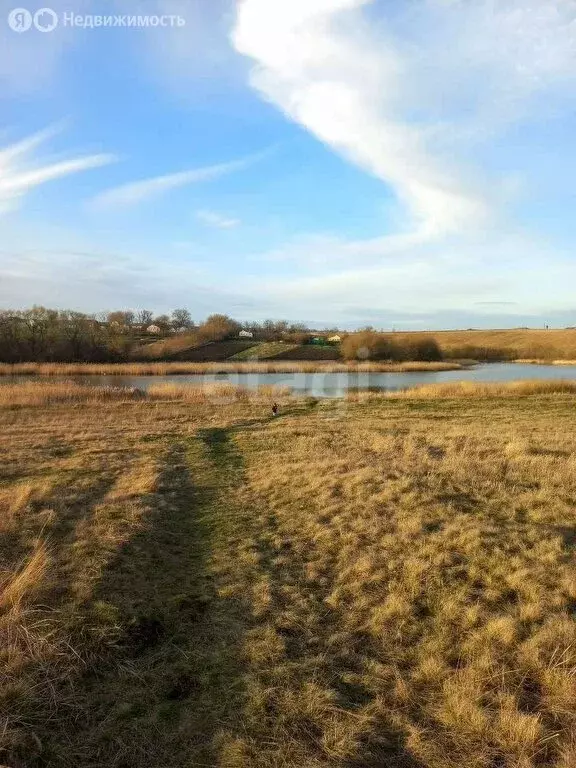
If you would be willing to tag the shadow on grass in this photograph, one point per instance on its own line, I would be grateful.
(385, 747)
(164, 672)
(219, 444)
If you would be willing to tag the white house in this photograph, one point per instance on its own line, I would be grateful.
(246, 335)
(154, 329)
(335, 339)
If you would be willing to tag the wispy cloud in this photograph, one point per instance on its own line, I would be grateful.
(217, 220)
(330, 75)
(410, 96)
(147, 189)
(21, 171)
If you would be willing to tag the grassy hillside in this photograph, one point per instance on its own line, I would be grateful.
(265, 350)
(387, 583)
(166, 348)
(214, 352)
(510, 344)
(547, 345)
(188, 349)
(310, 352)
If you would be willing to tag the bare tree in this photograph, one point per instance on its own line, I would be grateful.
(181, 318)
(144, 317)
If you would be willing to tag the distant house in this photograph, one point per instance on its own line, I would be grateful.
(246, 335)
(335, 339)
(155, 329)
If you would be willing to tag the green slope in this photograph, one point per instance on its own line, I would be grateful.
(265, 350)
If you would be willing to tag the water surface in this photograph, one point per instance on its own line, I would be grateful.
(331, 384)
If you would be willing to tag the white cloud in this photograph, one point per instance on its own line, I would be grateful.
(140, 191)
(20, 172)
(408, 96)
(217, 220)
(327, 73)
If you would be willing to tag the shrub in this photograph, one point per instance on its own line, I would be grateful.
(370, 345)
(426, 349)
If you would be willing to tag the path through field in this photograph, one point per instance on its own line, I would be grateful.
(389, 583)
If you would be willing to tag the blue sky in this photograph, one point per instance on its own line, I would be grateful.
(405, 163)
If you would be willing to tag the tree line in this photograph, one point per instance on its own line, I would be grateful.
(50, 335)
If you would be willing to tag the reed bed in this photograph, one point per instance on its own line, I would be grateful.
(177, 369)
(489, 389)
(38, 393)
(211, 393)
(540, 361)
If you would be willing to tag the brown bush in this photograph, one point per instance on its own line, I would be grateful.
(370, 345)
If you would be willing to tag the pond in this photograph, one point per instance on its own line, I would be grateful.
(332, 384)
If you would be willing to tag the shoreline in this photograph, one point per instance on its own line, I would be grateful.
(539, 361)
(199, 369)
(46, 392)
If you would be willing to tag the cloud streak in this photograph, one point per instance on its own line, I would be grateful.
(217, 220)
(137, 192)
(20, 172)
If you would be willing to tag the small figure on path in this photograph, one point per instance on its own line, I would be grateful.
(275, 409)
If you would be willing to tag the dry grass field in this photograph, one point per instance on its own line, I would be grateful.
(389, 583)
(538, 345)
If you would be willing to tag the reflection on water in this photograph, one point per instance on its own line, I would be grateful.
(332, 384)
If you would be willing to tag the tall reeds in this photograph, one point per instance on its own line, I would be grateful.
(37, 393)
(191, 369)
(488, 389)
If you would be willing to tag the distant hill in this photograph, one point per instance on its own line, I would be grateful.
(215, 351)
(508, 344)
(188, 347)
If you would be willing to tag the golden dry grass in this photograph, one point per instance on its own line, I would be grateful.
(539, 361)
(544, 345)
(213, 393)
(481, 389)
(29, 393)
(39, 393)
(174, 369)
(387, 583)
